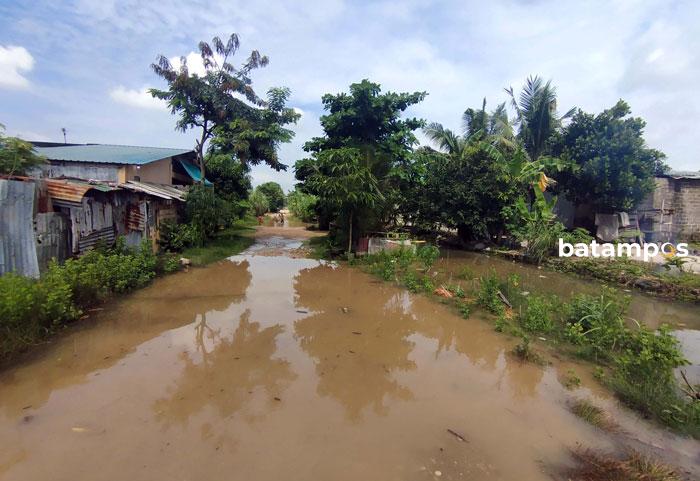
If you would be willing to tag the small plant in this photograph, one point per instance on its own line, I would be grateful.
(524, 352)
(488, 294)
(675, 261)
(427, 254)
(466, 273)
(428, 285)
(501, 323)
(538, 315)
(465, 309)
(411, 281)
(571, 380)
(456, 290)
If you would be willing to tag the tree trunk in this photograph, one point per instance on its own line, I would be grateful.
(200, 153)
(350, 234)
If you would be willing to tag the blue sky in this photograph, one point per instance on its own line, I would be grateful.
(84, 65)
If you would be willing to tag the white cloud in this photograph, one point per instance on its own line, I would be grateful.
(14, 61)
(136, 98)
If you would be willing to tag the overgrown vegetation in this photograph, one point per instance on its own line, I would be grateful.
(641, 363)
(592, 414)
(302, 205)
(683, 286)
(17, 156)
(224, 243)
(33, 309)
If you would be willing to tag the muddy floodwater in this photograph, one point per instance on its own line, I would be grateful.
(271, 366)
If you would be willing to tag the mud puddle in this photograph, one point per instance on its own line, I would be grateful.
(268, 367)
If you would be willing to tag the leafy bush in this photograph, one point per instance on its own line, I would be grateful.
(259, 203)
(597, 322)
(207, 212)
(428, 254)
(302, 206)
(539, 314)
(174, 237)
(487, 295)
(31, 309)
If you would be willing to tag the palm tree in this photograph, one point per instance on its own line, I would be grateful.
(536, 114)
(489, 129)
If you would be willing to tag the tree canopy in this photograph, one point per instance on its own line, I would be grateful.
(274, 193)
(17, 157)
(223, 102)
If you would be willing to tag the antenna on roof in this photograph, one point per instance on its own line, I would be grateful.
(63, 129)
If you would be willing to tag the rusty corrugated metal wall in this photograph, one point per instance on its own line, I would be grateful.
(17, 241)
(52, 238)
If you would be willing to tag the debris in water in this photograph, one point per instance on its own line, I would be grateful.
(504, 300)
(542, 277)
(277, 399)
(345, 310)
(356, 333)
(27, 419)
(438, 473)
(457, 435)
(443, 292)
(77, 429)
(184, 261)
(26, 407)
(302, 311)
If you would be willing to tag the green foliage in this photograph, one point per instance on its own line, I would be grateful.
(487, 295)
(466, 191)
(175, 237)
(259, 202)
(536, 224)
(32, 309)
(223, 244)
(222, 101)
(523, 350)
(206, 212)
(410, 280)
(275, 195)
(353, 168)
(466, 273)
(17, 156)
(611, 167)
(465, 309)
(231, 178)
(427, 255)
(302, 205)
(539, 314)
(675, 261)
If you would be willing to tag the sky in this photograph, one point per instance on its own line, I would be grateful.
(84, 65)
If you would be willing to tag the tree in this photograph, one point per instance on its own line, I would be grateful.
(214, 99)
(536, 115)
(302, 205)
(611, 166)
(258, 202)
(348, 186)
(17, 156)
(364, 133)
(254, 138)
(274, 193)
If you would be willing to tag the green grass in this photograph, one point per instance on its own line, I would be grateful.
(225, 243)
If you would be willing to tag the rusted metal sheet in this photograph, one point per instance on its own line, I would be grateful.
(52, 238)
(17, 244)
(136, 216)
(72, 191)
(166, 192)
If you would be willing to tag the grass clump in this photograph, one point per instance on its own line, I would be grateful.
(539, 313)
(592, 414)
(523, 351)
(598, 466)
(571, 380)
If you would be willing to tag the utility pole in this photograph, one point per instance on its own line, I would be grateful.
(63, 129)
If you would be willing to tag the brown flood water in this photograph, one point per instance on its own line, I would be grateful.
(269, 367)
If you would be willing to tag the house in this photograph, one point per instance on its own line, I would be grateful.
(86, 195)
(672, 210)
(118, 163)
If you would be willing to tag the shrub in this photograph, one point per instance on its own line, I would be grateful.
(175, 237)
(427, 254)
(597, 322)
(539, 314)
(487, 295)
(302, 206)
(410, 280)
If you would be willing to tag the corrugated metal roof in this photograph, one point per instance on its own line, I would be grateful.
(158, 190)
(72, 190)
(110, 154)
(193, 171)
(683, 174)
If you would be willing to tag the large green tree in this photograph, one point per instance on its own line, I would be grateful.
(365, 141)
(274, 193)
(223, 99)
(610, 165)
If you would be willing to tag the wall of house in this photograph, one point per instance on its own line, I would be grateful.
(81, 170)
(682, 197)
(158, 172)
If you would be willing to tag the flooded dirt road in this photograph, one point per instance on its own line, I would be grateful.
(270, 366)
